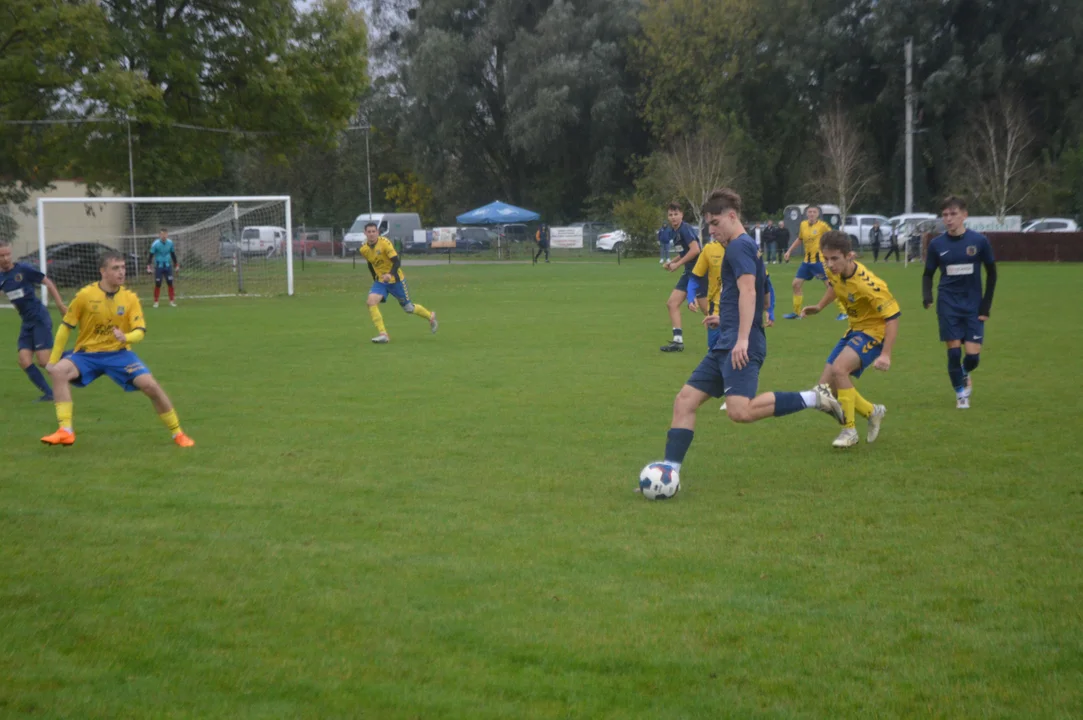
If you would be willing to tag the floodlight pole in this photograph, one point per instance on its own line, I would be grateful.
(368, 167)
(908, 203)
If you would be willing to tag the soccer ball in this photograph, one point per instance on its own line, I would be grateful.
(659, 481)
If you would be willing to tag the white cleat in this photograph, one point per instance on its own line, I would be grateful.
(172, 304)
(826, 403)
(155, 303)
(432, 322)
(381, 339)
(962, 402)
(847, 438)
(723, 408)
(877, 417)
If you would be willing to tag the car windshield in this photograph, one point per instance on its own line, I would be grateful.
(249, 234)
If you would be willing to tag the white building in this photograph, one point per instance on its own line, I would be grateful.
(67, 222)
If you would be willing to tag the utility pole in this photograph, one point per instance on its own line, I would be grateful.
(908, 203)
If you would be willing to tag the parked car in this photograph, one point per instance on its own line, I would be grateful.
(266, 240)
(1051, 225)
(611, 241)
(418, 242)
(859, 226)
(396, 227)
(310, 244)
(906, 224)
(592, 229)
(76, 264)
(513, 233)
(472, 239)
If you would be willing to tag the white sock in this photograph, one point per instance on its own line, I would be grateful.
(675, 465)
(809, 396)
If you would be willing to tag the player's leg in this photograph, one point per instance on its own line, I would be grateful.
(26, 362)
(376, 296)
(63, 374)
(798, 294)
(952, 331)
(158, 276)
(705, 382)
(846, 363)
(975, 333)
(674, 304)
(146, 384)
(743, 405)
(169, 281)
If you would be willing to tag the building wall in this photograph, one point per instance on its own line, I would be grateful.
(64, 222)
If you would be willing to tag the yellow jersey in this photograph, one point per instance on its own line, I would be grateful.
(709, 265)
(868, 302)
(96, 312)
(380, 257)
(810, 239)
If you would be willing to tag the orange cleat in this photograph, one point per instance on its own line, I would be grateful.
(60, 437)
(183, 440)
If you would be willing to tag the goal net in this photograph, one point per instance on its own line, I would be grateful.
(223, 245)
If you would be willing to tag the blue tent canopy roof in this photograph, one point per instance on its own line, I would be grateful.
(497, 212)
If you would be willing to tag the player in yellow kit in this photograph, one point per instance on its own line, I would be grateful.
(708, 266)
(110, 320)
(809, 234)
(386, 268)
(874, 324)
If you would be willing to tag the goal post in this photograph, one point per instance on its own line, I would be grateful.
(227, 245)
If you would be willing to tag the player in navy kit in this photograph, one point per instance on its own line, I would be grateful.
(961, 307)
(688, 247)
(17, 281)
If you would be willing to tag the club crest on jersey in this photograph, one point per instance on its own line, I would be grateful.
(971, 250)
(120, 310)
(18, 277)
(850, 298)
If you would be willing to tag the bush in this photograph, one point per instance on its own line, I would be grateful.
(640, 219)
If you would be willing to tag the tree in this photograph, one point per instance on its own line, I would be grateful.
(847, 173)
(695, 164)
(995, 159)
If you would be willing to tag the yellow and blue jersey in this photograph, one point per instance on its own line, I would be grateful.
(709, 265)
(868, 302)
(810, 239)
(96, 312)
(381, 257)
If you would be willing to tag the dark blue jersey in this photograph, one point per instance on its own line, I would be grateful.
(18, 284)
(742, 258)
(682, 239)
(959, 260)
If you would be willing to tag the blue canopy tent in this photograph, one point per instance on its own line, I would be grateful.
(496, 213)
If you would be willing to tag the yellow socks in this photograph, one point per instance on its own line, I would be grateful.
(861, 406)
(63, 415)
(420, 310)
(171, 421)
(797, 303)
(377, 318)
(846, 399)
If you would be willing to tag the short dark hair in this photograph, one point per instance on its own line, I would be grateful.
(836, 240)
(953, 201)
(109, 256)
(4, 242)
(162, 229)
(675, 206)
(371, 224)
(722, 200)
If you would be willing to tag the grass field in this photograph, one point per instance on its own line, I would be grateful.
(445, 527)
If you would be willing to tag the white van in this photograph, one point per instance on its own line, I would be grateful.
(394, 226)
(263, 240)
(859, 226)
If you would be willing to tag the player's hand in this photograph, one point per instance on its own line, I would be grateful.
(927, 304)
(150, 270)
(882, 363)
(693, 307)
(809, 310)
(712, 321)
(176, 268)
(786, 257)
(118, 334)
(769, 321)
(983, 318)
(739, 355)
(386, 277)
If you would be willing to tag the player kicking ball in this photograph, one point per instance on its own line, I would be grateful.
(873, 314)
(110, 320)
(387, 279)
(732, 366)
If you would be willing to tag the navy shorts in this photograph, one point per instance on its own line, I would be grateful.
(682, 285)
(122, 367)
(866, 346)
(958, 326)
(810, 270)
(163, 273)
(716, 375)
(36, 335)
(397, 290)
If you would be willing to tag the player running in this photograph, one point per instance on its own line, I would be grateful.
(387, 278)
(110, 320)
(808, 235)
(163, 257)
(732, 366)
(17, 281)
(684, 241)
(874, 324)
(961, 308)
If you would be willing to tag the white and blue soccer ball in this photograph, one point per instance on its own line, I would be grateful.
(659, 481)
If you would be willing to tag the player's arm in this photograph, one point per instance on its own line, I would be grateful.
(827, 299)
(137, 327)
(769, 300)
(746, 310)
(990, 281)
(699, 272)
(55, 295)
(176, 263)
(67, 324)
(932, 261)
(396, 266)
(692, 254)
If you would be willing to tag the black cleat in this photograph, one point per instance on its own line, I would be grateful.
(673, 347)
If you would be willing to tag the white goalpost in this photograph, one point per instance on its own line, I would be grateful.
(224, 246)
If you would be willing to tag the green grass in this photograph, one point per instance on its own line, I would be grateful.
(445, 527)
